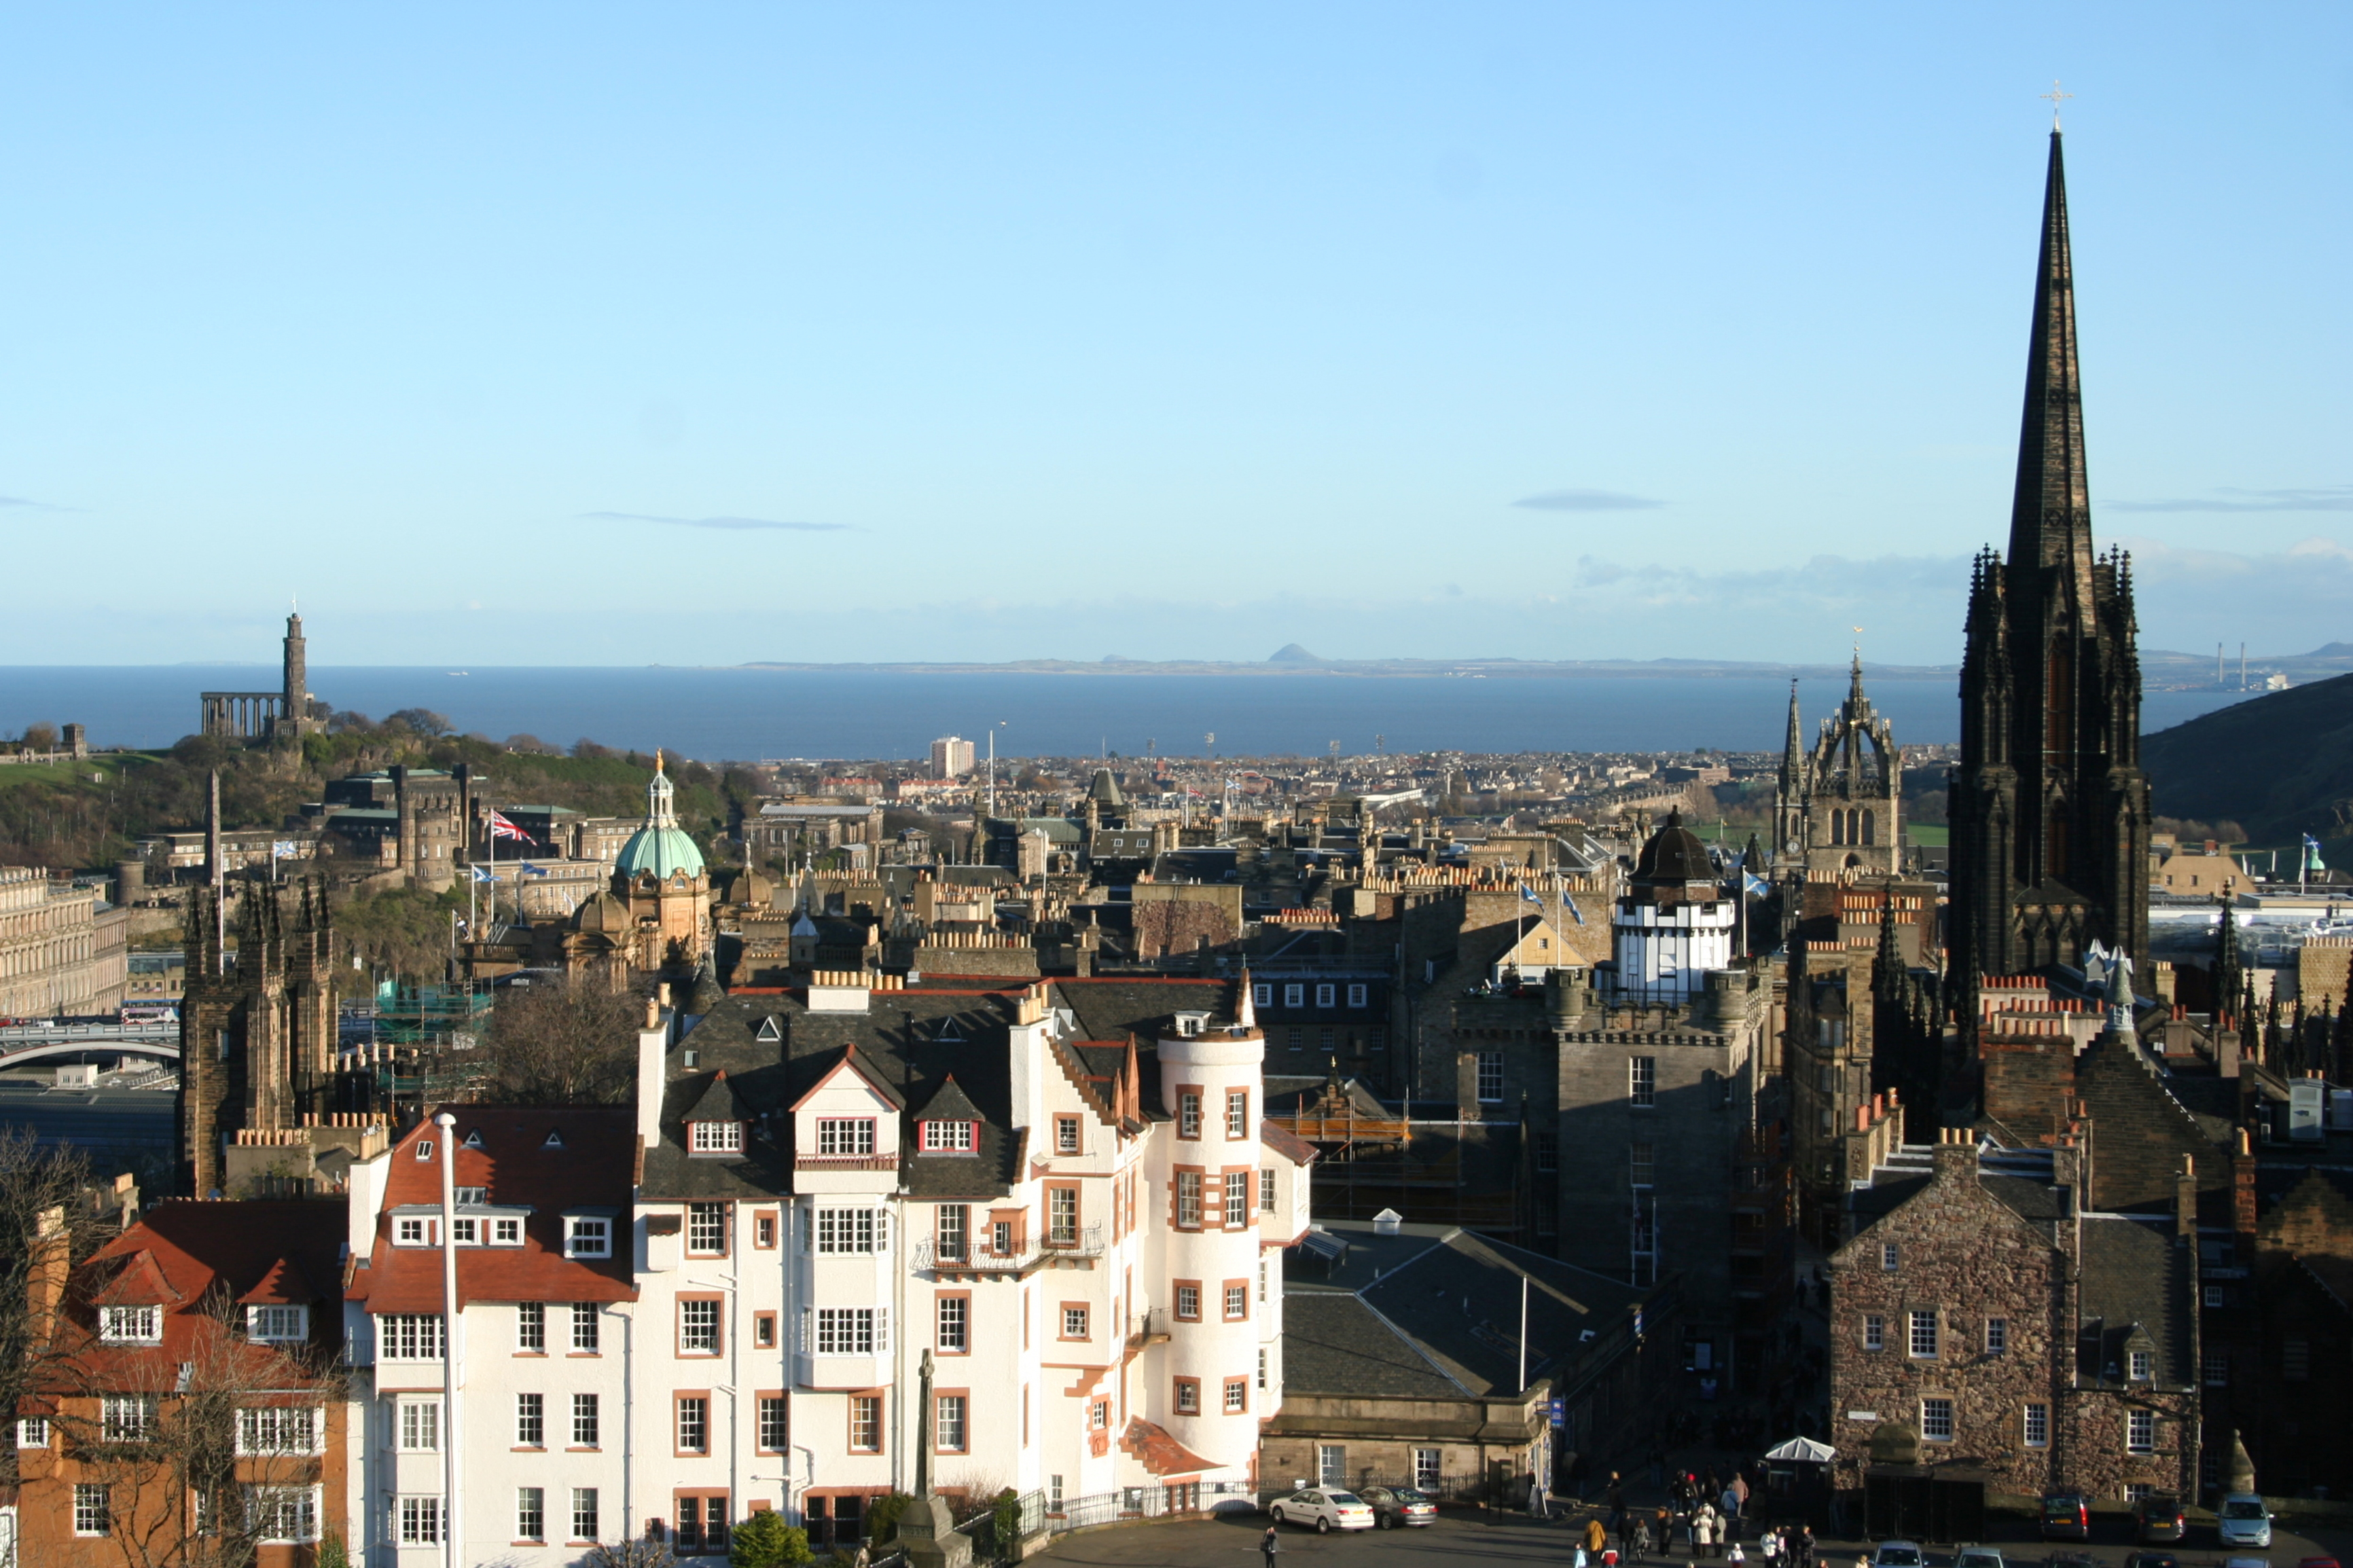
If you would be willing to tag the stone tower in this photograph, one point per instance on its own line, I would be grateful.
(298, 675)
(1846, 810)
(2050, 808)
(257, 1047)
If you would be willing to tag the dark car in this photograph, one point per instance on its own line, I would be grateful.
(2071, 1559)
(2152, 1560)
(2066, 1516)
(2157, 1517)
(1395, 1506)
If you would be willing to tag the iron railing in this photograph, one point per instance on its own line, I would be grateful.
(978, 1255)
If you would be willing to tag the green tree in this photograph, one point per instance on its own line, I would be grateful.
(882, 1516)
(766, 1541)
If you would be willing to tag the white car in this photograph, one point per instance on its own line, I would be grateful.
(1898, 1554)
(1325, 1507)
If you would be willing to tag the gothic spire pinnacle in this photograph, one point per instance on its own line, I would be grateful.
(2051, 510)
(1793, 750)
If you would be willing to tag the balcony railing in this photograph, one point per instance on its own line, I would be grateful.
(978, 1257)
(845, 1162)
(1149, 1327)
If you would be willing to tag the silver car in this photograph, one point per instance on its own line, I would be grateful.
(2243, 1521)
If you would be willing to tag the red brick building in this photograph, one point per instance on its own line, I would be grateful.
(189, 1404)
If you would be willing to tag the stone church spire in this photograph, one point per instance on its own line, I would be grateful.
(2050, 509)
(2050, 808)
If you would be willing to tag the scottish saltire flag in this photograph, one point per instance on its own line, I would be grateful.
(2312, 861)
(1754, 885)
(531, 871)
(285, 849)
(482, 874)
(501, 828)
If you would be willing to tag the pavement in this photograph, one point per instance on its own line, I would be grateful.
(1231, 1540)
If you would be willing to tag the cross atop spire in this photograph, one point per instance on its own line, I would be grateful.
(2056, 97)
(2050, 509)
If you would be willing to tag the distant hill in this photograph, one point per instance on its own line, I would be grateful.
(2281, 764)
(1291, 653)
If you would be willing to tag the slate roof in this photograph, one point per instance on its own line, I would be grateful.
(897, 1045)
(2135, 1273)
(1433, 1313)
(1333, 1343)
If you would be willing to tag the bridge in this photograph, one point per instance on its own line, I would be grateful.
(22, 1043)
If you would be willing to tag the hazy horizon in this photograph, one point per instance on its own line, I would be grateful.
(739, 333)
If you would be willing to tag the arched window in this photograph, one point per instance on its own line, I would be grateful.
(1869, 826)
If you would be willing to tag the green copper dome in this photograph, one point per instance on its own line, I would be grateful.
(661, 848)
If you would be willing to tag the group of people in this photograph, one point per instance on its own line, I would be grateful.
(1702, 1515)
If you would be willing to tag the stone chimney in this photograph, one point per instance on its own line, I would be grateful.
(1955, 1153)
(2185, 1202)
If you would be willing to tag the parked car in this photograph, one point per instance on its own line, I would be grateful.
(1395, 1506)
(2152, 1560)
(1898, 1554)
(2071, 1559)
(1976, 1557)
(2157, 1517)
(2066, 1516)
(2243, 1521)
(2315, 1563)
(2247, 1562)
(1325, 1507)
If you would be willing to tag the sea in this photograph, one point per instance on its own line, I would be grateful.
(750, 714)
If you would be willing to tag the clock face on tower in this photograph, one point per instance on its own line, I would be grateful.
(1791, 847)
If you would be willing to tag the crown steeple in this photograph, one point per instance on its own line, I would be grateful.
(2051, 510)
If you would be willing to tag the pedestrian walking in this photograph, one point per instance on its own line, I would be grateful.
(1615, 1500)
(1768, 1546)
(1703, 1532)
(1596, 1536)
(1269, 1545)
(1735, 1555)
(1806, 1547)
(1539, 1499)
(1663, 1534)
(1640, 1545)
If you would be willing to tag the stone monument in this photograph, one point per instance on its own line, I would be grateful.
(927, 1530)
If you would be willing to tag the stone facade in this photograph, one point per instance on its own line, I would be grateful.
(61, 951)
(1840, 806)
(2011, 1332)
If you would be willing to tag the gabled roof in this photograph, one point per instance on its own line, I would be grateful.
(950, 1104)
(718, 1102)
(138, 1282)
(550, 1160)
(286, 1284)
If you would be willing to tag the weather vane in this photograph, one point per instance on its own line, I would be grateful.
(2056, 97)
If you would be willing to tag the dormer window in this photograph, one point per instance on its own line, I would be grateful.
(1189, 1025)
(587, 1235)
(2144, 1365)
(277, 1324)
(474, 1197)
(413, 1230)
(715, 1137)
(423, 1149)
(131, 1325)
(947, 1137)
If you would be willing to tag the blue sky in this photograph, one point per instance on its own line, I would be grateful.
(711, 334)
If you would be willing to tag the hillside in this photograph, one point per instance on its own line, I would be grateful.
(2281, 764)
(87, 816)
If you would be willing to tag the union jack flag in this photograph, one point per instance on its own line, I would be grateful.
(501, 828)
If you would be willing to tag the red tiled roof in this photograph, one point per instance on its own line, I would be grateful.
(187, 1254)
(1287, 1143)
(1160, 1453)
(590, 1167)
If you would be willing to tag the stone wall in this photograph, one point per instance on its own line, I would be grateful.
(1966, 1257)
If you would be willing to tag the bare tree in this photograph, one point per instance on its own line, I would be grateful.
(563, 1042)
(47, 1227)
(207, 1454)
